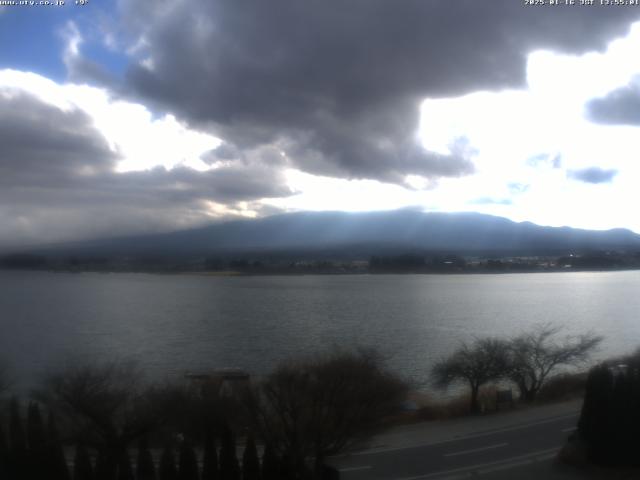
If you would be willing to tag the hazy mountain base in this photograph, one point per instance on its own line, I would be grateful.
(403, 241)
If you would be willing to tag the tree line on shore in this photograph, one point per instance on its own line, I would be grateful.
(321, 262)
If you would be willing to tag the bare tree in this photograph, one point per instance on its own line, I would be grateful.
(323, 405)
(534, 355)
(105, 406)
(482, 361)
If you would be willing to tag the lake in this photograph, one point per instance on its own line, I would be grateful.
(170, 324)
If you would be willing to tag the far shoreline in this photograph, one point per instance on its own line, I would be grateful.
(275, 273)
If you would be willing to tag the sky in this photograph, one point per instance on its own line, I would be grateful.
(124, 117)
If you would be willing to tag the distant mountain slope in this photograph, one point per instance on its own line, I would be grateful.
(401, 229)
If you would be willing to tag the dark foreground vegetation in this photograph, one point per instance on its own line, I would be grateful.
(609, 423)
(103, 422)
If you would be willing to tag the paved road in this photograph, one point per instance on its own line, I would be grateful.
(484, 453)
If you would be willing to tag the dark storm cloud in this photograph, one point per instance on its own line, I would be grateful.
(620, 107)
(593, 175)
(83, 70)
(339, 83)
(227, 184)
(58, 180)
(45, 146)
(224, 151)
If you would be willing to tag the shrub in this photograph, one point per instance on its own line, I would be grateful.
(564, 386)
(82, 468)
(323, 405)
(610, 420)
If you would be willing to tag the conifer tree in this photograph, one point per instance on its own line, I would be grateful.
(36, 437)
(82, 468)
(56, 461)
(188, 462)
(17, 442)
(286, 468)
(37, 442)
(622, 441)
(229, 468)
(270, 464)
(250, 462)
(168, 469)
(4, 455)
(17, 439)
(105, 466)
(595, 418)
(145, 469)
(210, 469)
(125, 472)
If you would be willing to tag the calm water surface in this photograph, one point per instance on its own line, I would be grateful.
(175, 323)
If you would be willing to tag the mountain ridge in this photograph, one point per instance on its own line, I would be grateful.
(458, 232)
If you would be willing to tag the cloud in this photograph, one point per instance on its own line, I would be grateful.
(78, 67)
(337, 85)
(518, 188)
(228, 108)
(593, 175)
(491, 201)
(620, 107)
(554, 161)
(224, 151)
(59, 180)
(42, 144)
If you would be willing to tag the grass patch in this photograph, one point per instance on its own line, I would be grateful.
(559, 388)
(565, 386)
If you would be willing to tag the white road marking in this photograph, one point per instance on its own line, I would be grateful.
(473, 470)
(571, 429)
(474, 450)
(353, 469)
